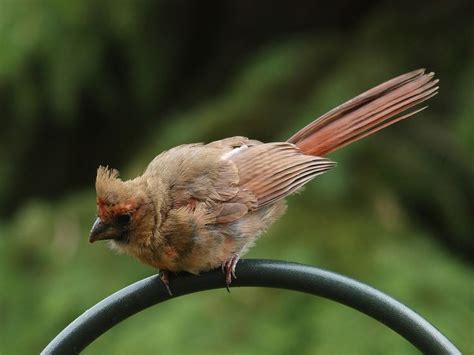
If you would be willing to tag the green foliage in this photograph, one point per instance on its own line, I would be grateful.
(69, 41)
(396, 213)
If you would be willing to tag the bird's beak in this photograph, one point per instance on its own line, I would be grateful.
(102, 231)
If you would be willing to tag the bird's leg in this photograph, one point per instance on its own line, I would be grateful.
(164, 277)
(228, 267)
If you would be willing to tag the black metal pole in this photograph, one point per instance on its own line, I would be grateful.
(265, 273)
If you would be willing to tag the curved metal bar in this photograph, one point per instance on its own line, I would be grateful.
(265, 273)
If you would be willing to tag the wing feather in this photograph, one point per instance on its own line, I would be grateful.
(273, 171)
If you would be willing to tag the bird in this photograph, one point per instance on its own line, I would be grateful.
(200, 206)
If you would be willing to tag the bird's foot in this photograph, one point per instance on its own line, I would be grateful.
(228, 267)
(164, 277)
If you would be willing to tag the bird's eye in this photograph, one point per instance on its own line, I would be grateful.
(124, 218)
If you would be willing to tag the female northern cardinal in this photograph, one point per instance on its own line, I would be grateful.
(202, 206)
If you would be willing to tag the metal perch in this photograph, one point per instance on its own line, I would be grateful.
(264, 273)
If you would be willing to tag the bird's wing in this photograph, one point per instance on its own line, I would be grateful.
(270, 172)
(236, 175)
(228, 144)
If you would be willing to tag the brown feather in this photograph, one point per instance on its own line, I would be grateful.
(273, 171)
(231, 212)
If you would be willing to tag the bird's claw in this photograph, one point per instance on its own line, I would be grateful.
(228, 268)
(164, 277)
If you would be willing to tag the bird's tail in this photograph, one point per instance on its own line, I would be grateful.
(367, 113)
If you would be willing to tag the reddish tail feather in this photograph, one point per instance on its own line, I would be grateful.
(367, 113)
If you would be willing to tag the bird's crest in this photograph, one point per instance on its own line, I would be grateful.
(113, 194)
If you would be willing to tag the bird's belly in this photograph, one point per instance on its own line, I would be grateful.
(206, 248)
(218, 243)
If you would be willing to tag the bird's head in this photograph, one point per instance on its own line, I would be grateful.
(125, 213)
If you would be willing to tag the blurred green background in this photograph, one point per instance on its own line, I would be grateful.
(88, 82)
